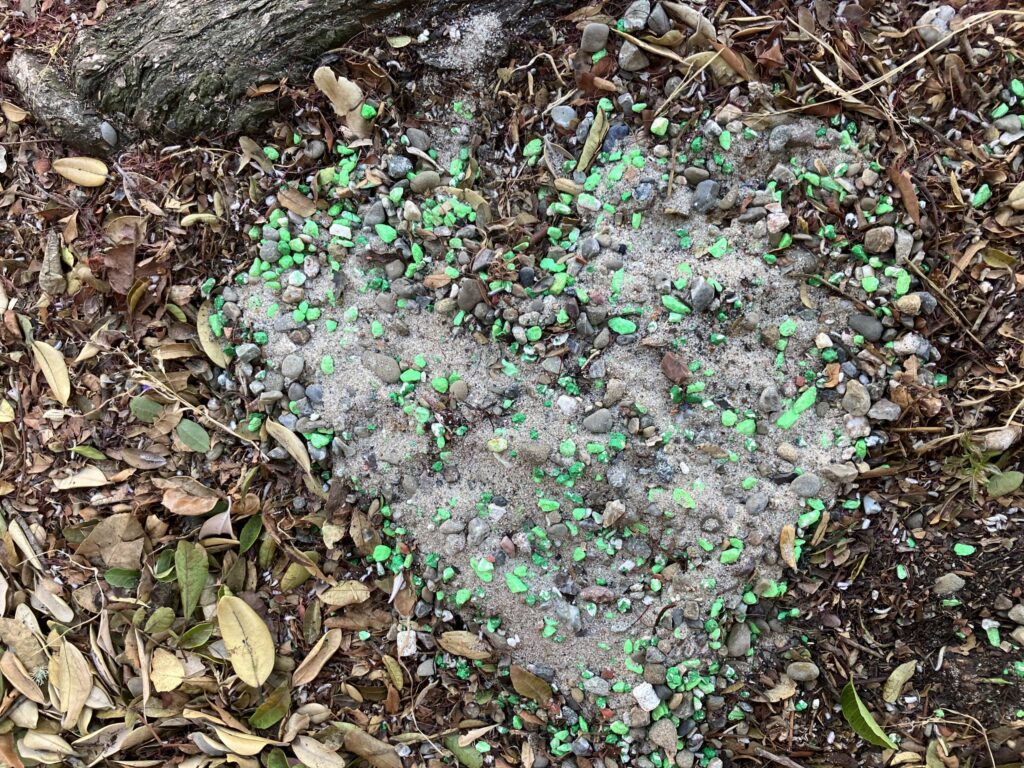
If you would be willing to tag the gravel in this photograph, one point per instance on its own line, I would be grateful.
(595, 37)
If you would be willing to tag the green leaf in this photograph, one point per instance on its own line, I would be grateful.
(124, 578)
(273, 709)
(277, 759)
(89, 452)
(1004, 483)
(250, 532)
(160, 621)
(144, 409)
(196, 636)
(466, 756)
(192, 567)
(193, 435)
(861, 719)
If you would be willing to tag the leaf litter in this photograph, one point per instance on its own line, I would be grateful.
(975, 485)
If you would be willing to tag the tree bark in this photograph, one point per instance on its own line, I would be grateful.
(176, 69)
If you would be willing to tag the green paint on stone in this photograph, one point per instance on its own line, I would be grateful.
(801, 404)
(621, 325)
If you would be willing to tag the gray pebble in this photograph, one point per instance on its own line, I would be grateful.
(595, 37)
(418, 139)
(564, 117)
(879, 239)
(885, 410)
(631, 58)
(803, 671)
(738, 641)
(705, 197)
(246, 353)
(948, 584)
(806, 485)
(856, 401)
(702, 293)
(599, 422)
(291, 366)
(383, 367)
(425, 181)
(399, 166)
(867, 326)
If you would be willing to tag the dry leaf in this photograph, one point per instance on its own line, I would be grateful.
(462, 643)
(901, 179)
(346, 593)
(13, 112)
(291, 442)
(899, 677)
(296, 202)
(244, 744)
(312, 754)
(785, 689)
(321, 653)
(55, 370)
(342, 92)
(594, 139)
(72, 681)
(165, 671)
(787, 545)
(83, 171)
(376, 752)
(90, 477)
(530, 685)
(210, 345)
(18, 676)
(247, 639)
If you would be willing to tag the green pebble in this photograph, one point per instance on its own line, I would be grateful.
(659, 127)
(622, 326)
(411, 376)
(386, 232)
(869, 284)
(327, 364)
(440, 384)
(725, 139)
(381, 553)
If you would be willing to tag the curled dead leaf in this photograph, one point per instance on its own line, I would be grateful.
(83, 171)
(466, 644)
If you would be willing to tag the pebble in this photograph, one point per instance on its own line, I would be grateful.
(108, 133)
(424, 181)
(471, 293)
(909, 304)
(933, 25)
(399, 166)
(738, 642)
(702, 293)
(291, 366)
(867, 326)
(904, 245)
(885, 410)
(705, 197)
(418, 138)
(879, 239)
(663, 734)
(246, 353)
(383, 367)
(1016, 614)
(840, 473)
(597, 686)
(315, 149)
(856, 401)
(635, 17)
(632, 59)
(595, 37)
(912, 344)
(803, 671)
(695, 176)
(459, 390)
(948, 584)
(646, 697)
(599, 422)
(673, 365)
(564, 117)
(658, 21)
(756, 503)
(806, 486)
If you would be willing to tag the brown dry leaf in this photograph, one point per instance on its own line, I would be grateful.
(291, 443)
(117, 541)
(179, 502)
(312, 754)
(72, 679)
(296, 202)
(901, 179)
(320, 654)
(1016, 197)
(54, 369)
(376, 752)
(785, 689)
(83, 171)
(787, 545)
(530, 685)
(346, 593)
(346, 97)
(210, 345)
(657, 50)
(18, 676)
(13, 112)
(90, 477)
(466, 644)
(594, 139)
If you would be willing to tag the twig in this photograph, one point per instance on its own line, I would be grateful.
(780, 759)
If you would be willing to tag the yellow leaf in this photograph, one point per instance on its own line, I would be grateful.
(343, 93)
(83, 171)
(530, 685)
(346, 593)
(899, 677)
(6, 412)
(55, 370)
(18, 676)
(310, 667)
(247, 639)
(210, 345)
(1016, 198)
(399, 41)
(377, 753)
(166, 671)
(291, 442)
